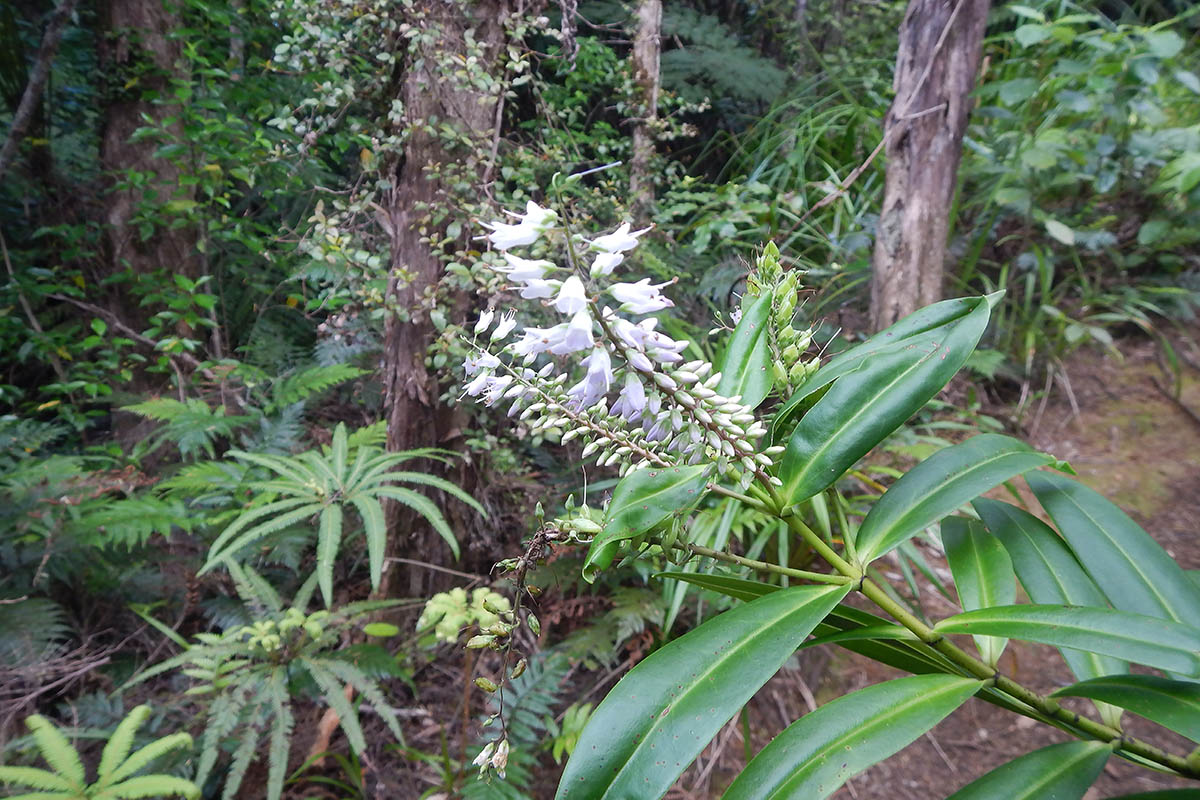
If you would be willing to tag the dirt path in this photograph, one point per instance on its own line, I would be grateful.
(1140, 449)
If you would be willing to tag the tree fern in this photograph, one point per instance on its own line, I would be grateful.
(320, 485)
(191, 426)
(117, 777)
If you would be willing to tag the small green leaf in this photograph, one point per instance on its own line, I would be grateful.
(939, 485)
(1152, 230)
(1059, 231)
(814, 756)
(380, 629)
(1061, 771)
(1017, 91)
(746, 367)
(1172, 704)
(1031, 34)
(1147, 640)
(1136, 573)
(664, 712)
(642, 500)
(864, 406)
(983, 574)
(1164, 44)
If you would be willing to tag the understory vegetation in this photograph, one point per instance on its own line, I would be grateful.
(379, 420)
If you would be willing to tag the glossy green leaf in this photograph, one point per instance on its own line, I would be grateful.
(1050, 574)
(667, 708)
(866, 632)
(815, 755)
(1165, 794)
(1134, 637)
(864, 406)
(1061, 771)
(642, 500)
(940, 484)
(1131, 568)
(983, 575)
(1172, 704)
(737, 588)
(746, 367)
(898, 335)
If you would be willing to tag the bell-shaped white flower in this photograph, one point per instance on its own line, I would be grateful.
(605, 263)
(480, 360)
(485, 321)
(505, 325)
(572, 297)
(539, 340)
(578, 335)
(596, 382)
(525, 269)
(632, 399)
(535, 221)
(537, 289)
(619, 240)
(642, 297)
(500, 758)
(484, 759)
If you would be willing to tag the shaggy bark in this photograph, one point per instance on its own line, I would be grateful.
(936, 66)
(646, 48)
(414, 417)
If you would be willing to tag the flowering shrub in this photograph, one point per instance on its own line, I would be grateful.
(1103, 591)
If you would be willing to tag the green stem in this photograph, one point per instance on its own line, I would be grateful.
(763, 566)
(750, 501)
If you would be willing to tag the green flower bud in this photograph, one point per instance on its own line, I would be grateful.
(485, 684)
(519, 669)
(476, 642)
(533, 624)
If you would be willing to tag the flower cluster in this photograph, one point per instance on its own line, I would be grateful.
(636, 400)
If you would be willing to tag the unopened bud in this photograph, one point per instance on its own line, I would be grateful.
(485, 684)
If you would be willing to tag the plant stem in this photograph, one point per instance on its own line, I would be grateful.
(747, 500)
(763, 566)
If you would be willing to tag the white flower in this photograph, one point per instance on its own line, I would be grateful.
(618, 241)
(485, 756)
(605, 263)
(525, 269)
(485, 320)
(536, 289)
(572, 297)
(505, 326)
(532, 224)
(642, 297)
(476, 386)
(577, 336)
(597, 381)
(496, 387)
(539, 340)
(478, 361)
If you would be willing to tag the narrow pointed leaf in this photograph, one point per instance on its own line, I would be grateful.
(898, 335)
(339, 453)
(1172, 704)
(329, 538)
(737, 588)
(746, 367)
(864, 406)
(939, 485)
(36, 778)
(425, 507)
(57, 751)
(1061, 771)
(119, 744)
(814, 756)
(642, 500)
(1135, 571)
(375, 530)
(866, 632)
(664, 712)
(1165, 794)
(1050, 574)
(1146, 640)
(983, 574)
(156, 786)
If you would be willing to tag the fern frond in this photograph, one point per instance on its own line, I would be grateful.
(29, 629)
(57, 751)
(119, 745)
(131, 521)
(436, 482)
(242, 757)
(223, 716)
(339, 451)
(222, 547)
(331, 692)
(375, 531)
(205, 479)
(304, 594)
(373, 435)
(369, 689)
(329, 539)
(253, 587)
(151, 786)
(148, 754)
(307, 382)
(423, 506)
(281, 732)
(35, 778)
(286, 466)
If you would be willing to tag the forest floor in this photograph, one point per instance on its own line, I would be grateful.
(1127, 439)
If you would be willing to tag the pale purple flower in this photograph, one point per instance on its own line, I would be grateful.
(618, 241)
(642, 297)
(505, 325)
(572, 297)
(605, 263)
(496, 386)
(596, 382)
(632, 399)
(478, 361)
(539, 340)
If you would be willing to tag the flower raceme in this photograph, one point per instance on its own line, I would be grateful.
(664, 411)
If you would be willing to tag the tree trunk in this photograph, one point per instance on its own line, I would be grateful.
(414, 417)
(139, 61)
(936, 66)
(646, 47)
